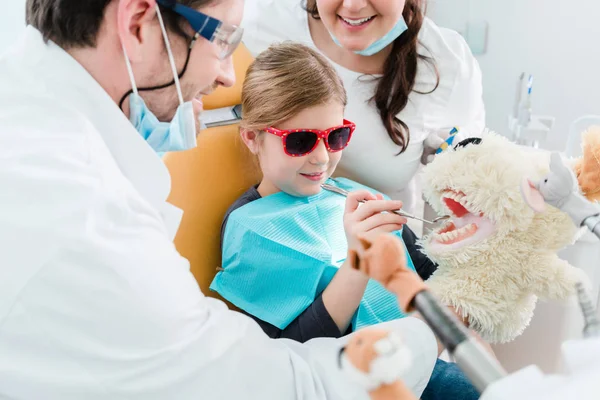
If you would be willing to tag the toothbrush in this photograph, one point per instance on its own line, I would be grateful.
(529, 85)
(447, 142)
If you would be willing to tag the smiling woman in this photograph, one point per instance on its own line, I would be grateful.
(368, 28)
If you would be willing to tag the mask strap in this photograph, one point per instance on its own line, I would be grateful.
(142, 89)
(130, 72)
(170, 54)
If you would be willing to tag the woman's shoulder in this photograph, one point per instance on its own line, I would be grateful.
(270, 21)
(443, 44)
(451, 54)
(456, 76)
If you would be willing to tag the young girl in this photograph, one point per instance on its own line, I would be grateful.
(285, 241)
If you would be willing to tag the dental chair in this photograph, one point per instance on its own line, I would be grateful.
(206, 180)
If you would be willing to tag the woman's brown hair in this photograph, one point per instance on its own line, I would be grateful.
(284, 80)
(399, 72)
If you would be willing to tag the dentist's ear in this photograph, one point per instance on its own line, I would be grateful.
(532, 196)
(137, 25)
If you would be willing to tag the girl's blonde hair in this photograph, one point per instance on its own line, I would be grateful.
(284, 80)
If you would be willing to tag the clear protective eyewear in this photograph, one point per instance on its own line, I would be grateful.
(224, 35)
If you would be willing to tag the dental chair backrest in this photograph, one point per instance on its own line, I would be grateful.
(208, 179)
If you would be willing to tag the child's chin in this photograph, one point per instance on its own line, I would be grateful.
(308, 190)
(311, 191)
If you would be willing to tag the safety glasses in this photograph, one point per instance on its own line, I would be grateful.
(224, 35)
(300, 142)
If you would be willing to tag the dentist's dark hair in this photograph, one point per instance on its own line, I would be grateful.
(76, 23)
(399, 71)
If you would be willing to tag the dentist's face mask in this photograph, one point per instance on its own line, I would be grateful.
(180, 133)
(381, 43)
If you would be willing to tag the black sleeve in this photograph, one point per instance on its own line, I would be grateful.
(424, 266)
(248, 197)
(314, 322)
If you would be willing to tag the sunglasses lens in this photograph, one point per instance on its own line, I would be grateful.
(338, 139)
(300, 143)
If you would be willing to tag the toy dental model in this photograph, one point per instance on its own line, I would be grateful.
(495, 255)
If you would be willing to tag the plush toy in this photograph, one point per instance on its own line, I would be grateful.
(376, 359)
(495, 255)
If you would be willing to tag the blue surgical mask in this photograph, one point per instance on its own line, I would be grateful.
(383, 42)
(180, 133)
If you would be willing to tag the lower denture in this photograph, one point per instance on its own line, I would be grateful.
(461, 236)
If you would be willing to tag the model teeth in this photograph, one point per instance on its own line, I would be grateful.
(356, 22)
(461, 199)
(454, 235)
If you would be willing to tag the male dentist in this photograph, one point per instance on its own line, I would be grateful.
(95, 301)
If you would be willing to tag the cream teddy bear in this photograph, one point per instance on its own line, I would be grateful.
(496, 256)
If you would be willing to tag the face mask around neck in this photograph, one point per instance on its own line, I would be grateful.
(381, 43)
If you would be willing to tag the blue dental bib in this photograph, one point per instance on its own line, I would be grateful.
(280, 252)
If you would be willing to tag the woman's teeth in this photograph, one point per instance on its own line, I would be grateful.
(357, 22)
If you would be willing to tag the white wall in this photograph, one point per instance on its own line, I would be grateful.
(556, 40)
(12, 22)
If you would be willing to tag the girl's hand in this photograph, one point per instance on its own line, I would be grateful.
(372, 218)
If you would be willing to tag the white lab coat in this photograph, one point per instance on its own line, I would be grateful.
(95, 301)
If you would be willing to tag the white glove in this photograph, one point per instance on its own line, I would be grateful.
(432, 142)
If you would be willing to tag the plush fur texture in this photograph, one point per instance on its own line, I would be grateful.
(494, 276)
